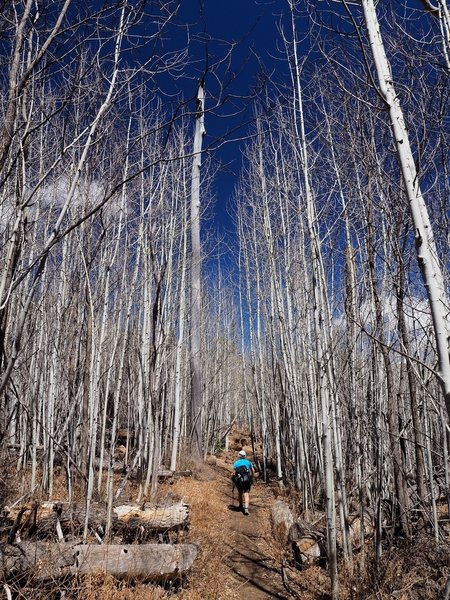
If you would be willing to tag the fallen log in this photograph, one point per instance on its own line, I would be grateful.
(155, 518)
(120, 466)
(282, 521)
(308, 541)
(167, 474)
(43, 560)
(46, 515)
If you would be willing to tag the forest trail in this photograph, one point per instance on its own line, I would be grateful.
(252, 552)
(239, 558)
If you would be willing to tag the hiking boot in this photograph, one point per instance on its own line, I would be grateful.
(246, 511)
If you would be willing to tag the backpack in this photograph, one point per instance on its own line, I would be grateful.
(242, 475)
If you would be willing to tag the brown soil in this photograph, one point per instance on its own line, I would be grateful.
(254, 558)
(239, 557)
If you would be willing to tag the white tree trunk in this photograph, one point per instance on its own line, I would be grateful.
(425, 245)
(195, 309)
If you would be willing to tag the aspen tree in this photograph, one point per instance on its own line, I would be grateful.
(53, 235)
(321, 323)
(195, 416)
(413, 394)
(181, 332)
(427, 256)
(440, 9)
(257, 353)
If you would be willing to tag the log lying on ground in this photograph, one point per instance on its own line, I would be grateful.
(308, 541)
(305, 546)
(120, 466)
(282, 521)
(43, 561)
(46, 515)
(166, 474)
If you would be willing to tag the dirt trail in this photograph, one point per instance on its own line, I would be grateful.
(252, 556)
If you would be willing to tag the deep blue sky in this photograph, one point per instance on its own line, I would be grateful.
(253, 26)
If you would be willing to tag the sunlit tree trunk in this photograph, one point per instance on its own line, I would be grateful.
(195, 414)
(180, 341)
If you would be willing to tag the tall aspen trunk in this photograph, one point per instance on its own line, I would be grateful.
(321, 323)
(417, 425)
(427, 256)
(195, 414)
(179, 352)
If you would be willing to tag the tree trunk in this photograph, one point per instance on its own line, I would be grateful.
(195, 416)
(44, 561)
(427, 256)
(45, 516)
(282, 520)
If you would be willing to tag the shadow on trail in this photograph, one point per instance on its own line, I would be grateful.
(234, 508)
(256, 558)
(250, 570)
(249, 558)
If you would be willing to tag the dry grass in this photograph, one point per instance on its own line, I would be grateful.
(210, 576)
(98, 586)
(413, 570)
(104, 587)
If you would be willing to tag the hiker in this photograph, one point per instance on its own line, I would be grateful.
(242, 478)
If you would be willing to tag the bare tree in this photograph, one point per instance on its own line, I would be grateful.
(195, 423)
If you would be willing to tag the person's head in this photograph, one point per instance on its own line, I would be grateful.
(242, 453)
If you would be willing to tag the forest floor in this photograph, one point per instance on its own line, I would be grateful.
(240, 559)
(251, 558)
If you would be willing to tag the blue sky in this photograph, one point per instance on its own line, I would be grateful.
(253, 26)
